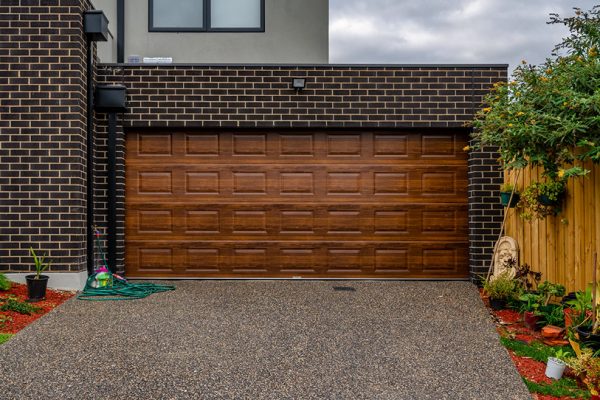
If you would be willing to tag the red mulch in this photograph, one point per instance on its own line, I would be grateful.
(509, 316)
(531, 369)
(20, 321)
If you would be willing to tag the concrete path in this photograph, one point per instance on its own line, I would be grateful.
(266, 340)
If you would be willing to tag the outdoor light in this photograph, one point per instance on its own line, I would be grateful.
(298, 83)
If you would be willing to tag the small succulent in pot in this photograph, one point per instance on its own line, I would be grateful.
(37, 284)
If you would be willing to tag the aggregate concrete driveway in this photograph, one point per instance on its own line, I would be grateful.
(266, 340)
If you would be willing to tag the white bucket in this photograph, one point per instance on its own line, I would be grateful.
(555, 368)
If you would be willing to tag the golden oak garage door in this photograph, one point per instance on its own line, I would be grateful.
(296, 204)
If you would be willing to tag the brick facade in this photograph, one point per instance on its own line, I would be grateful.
(351, 97)
(43, 124)
(43, 128)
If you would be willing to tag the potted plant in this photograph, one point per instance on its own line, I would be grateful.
(530, 304)
(500, 288)
(541, 199)
(36, 284)
(577, 309)
(536, 307)
(509, 197)
(587, 368)
(555, 367)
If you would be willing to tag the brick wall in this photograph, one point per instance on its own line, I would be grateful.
(180, 96)
(42, 139)
(485, 210)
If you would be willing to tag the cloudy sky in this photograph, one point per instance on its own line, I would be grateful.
(446, 31)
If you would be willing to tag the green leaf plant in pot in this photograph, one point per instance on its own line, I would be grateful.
(530, 308)
(509, 197)
(537, 308)
(37, 284)
(579, 308)
(500, 289)
(541, 199)
(556, 365)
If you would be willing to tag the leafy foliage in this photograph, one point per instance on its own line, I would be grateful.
(549, 115)
(541, 199)
(501, 287)
(526, 278)
(581, 305)
(552, 314)
(587, 367)
(4, 337)
(11, 303)
(40, 263)
(4, 282)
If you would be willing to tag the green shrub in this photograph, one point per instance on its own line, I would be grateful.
(4, 282)
(501, 287)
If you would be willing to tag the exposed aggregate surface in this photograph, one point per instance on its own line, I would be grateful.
(267, 340)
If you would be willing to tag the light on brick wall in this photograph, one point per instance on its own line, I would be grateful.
(298, 84)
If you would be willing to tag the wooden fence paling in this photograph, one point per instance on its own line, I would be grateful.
(561, 247)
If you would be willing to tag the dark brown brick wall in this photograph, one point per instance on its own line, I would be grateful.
(43, 122)
(42, 139)
(335, 96)
(485, 210)
(197, 97)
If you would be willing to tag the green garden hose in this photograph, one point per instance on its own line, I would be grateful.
(115, 287)
(121, 290)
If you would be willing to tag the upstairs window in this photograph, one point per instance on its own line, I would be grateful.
(206, 16)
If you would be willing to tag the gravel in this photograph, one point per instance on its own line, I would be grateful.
(267, 340)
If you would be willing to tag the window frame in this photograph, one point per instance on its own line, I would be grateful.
(205, 22)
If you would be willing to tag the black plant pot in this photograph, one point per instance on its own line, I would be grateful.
(587, 337)
(545, 201)
(505, 198)
(36, 288)
(497, 304)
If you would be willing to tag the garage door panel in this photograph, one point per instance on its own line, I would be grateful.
(287, 222)
(347, 183)
(307, 259)
(297, 203)
(281, 147)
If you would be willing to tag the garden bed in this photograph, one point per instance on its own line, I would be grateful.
(529, 354)
(12, 322)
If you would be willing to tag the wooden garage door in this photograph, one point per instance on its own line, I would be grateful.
(296, 204)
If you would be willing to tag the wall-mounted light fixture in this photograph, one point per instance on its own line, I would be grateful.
(298, 84)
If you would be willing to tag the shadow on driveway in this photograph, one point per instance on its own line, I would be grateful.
(267, 340)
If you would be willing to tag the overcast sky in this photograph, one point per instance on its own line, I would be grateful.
(446, 31)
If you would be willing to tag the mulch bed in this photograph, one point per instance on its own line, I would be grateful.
(509, 323)
(20, 321)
